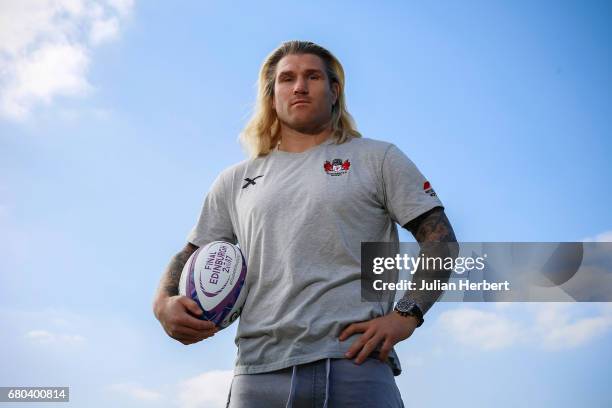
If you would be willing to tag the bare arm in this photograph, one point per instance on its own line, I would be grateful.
(168, 285)
(177, 314)
(432, 226)
(434, 233)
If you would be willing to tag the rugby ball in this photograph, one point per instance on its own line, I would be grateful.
(214, 278)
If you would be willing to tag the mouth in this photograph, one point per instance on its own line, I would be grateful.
(300, 102)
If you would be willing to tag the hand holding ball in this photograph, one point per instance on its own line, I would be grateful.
(214, 277)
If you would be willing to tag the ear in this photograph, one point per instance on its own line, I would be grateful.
(335, 89)
(273, 103)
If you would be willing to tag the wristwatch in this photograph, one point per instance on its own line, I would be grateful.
(407, 307)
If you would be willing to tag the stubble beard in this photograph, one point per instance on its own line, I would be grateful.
(313, 127)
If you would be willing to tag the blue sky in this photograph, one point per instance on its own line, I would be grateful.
(115, 117)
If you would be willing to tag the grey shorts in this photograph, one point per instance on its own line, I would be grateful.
(329, 383)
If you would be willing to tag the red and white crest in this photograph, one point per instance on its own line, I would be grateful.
(336, 167)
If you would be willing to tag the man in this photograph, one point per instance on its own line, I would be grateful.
(299, 209)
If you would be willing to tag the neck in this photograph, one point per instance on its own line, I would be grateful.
(294, 141)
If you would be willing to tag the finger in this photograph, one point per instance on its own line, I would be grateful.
(187, 340)
(359, 343)
(194, 323)
(179, 332)
(186, 336)
(353, 328)
(385, 350)
(368, 348)
(194, 334)
(191, 305)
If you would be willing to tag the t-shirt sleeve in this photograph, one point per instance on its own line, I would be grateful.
(214, 222)
(406, 192)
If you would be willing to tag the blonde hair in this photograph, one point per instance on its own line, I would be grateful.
(262, 132)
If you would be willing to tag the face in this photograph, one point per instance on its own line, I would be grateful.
(303, 97)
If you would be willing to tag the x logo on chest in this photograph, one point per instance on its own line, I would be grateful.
(250, 181)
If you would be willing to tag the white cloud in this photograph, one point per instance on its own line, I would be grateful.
(123, 7)
(605, 236)
(207, 390)
(47, 337)
(137, 392)
(558, 329)
(104, 30)
(477, 328)
(51, 70)
(45, 48)
(40, 336)
(549, 326)
(63, 327)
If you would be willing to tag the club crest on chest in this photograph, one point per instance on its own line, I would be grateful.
(337, 167)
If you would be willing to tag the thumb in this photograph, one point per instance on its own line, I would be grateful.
(192, 306)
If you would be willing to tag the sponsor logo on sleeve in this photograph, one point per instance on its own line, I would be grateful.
(428, 190)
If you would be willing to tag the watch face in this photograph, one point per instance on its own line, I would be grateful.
(407, 307)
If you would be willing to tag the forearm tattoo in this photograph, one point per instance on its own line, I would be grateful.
(172, 275)
(436, 237)
(433, 226)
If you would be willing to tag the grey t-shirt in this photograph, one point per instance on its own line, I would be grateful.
(299, 219)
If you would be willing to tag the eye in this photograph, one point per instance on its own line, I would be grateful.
(315, 76)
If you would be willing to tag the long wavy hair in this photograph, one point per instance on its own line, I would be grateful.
(262, 132)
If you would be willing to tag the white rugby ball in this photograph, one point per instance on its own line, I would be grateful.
(214, 277)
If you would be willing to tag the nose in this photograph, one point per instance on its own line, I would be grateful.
(301, 86)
